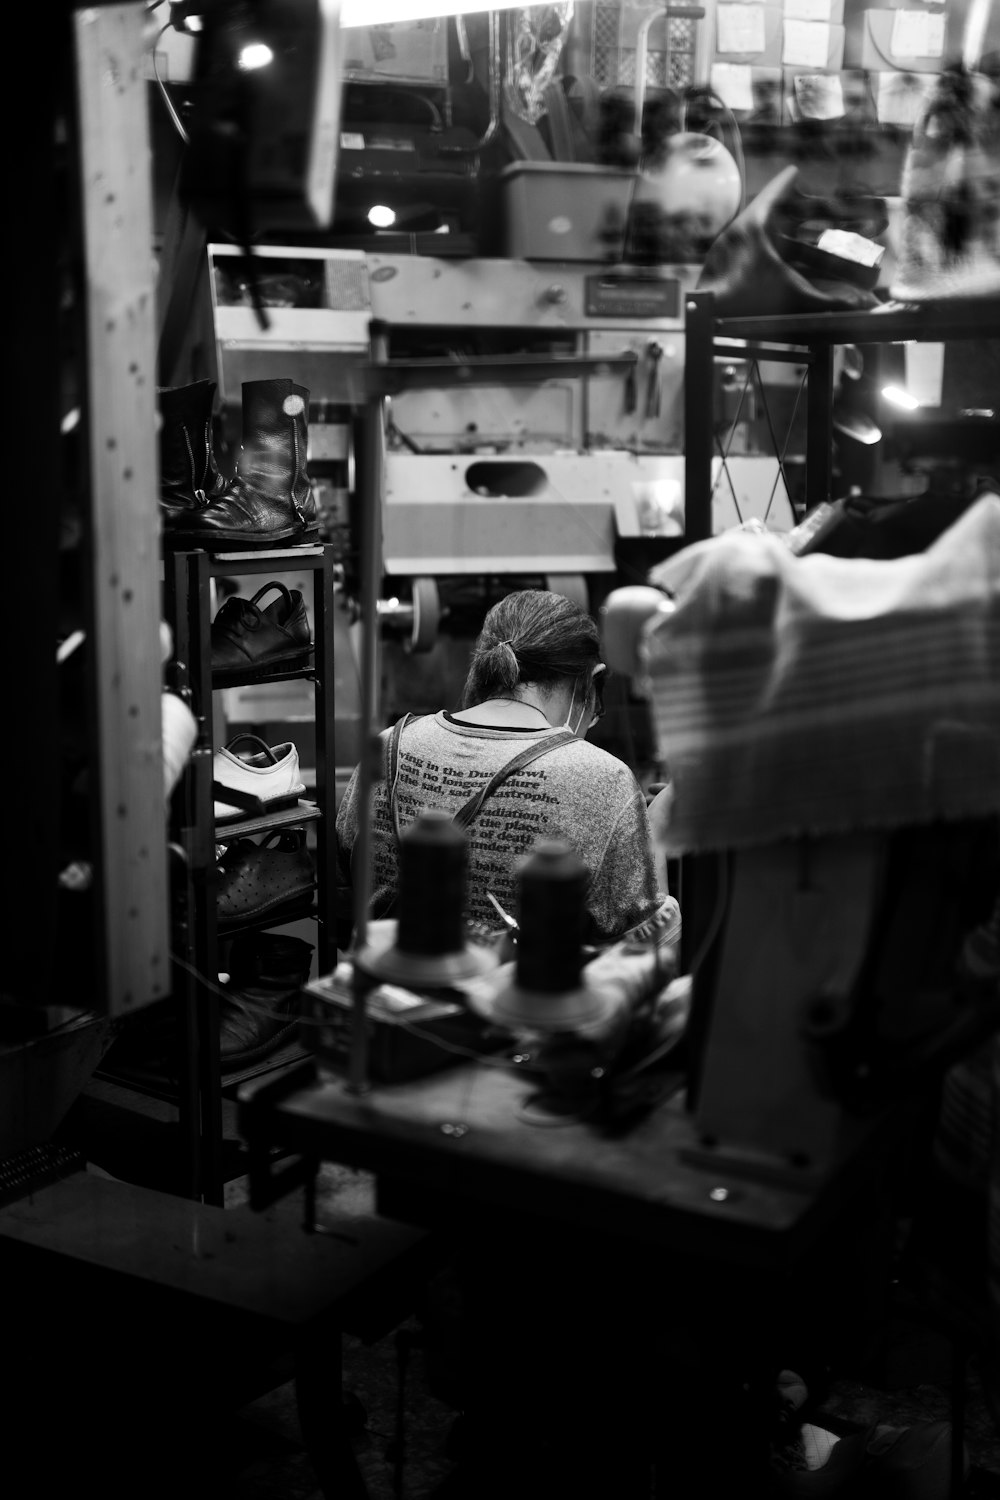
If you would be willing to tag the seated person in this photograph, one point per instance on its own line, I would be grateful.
(535, 670)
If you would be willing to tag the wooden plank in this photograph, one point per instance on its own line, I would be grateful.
(116, 193)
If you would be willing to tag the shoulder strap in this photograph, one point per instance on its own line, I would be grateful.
(392, 767)
(468, 811)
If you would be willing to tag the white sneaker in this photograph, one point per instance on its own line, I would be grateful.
(269, 772)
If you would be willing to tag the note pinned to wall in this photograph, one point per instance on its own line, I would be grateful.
(740, 28)
(813, 10)
(733, 82)
(917, 33)
(819, 96)
(899, 98)
(806, 44)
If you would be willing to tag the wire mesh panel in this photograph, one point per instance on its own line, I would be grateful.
(670, 58)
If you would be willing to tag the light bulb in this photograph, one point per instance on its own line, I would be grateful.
(899, 397)
(255, 55)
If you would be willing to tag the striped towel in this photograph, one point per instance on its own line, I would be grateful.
(816, 695)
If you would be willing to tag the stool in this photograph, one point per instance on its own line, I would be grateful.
(135, 1317)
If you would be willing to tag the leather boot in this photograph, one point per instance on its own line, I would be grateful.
(189, 478)
(269, 501)
(260, 1013)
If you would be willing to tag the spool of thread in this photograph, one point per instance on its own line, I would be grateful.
(426, 945)
(433, 861)
(548, 994)
(551, 907)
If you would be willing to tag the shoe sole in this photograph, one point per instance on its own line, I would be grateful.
(286, 909)
(221, 541)
(269, 805)
(285, 659)
(264, 1049)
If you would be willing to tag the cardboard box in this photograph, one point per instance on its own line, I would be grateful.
(404, 51)
(570, 211)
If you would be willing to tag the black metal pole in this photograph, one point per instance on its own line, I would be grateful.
(371, 488)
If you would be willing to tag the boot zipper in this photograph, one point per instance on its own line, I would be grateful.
(199, 494)
(295, 450)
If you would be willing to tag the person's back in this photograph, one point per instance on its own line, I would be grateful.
(535, 672)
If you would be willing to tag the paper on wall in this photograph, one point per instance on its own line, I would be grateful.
(820, 96)
(733, 82)
(806, 44)
(899, 97)
(740, 28)
(808, 10)
(917, 33)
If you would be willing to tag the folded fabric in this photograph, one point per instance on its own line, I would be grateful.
(814, 694)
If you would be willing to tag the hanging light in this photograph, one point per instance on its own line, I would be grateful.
(900, 397)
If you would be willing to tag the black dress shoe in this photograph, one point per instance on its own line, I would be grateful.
(260, 1012)
(246, 636)
(275, 878)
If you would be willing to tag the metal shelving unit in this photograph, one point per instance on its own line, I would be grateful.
(806, 339)
(188, 606)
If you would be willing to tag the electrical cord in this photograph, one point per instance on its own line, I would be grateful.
(505, 1063)
(175, 117)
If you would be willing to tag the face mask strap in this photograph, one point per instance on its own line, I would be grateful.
(569, 713)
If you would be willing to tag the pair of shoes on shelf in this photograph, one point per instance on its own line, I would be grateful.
(269, 502)
(272, 879)
(270, 773)
(247, 635)
(259, 1008)
(267, 972)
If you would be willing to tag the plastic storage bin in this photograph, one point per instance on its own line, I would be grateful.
(565, 210)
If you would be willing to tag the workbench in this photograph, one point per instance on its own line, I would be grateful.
(616, 1281)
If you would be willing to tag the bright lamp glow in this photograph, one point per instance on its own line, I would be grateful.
(899, 397)
(255, 55)
(380, 12)
(381, 216)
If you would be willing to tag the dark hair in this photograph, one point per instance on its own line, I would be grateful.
(531, 636)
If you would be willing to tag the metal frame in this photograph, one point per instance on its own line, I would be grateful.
(801, 338)
(188, 577)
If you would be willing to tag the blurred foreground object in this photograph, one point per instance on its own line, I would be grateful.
(749, 276)
(811, 695)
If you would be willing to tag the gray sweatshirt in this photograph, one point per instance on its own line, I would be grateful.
(578, 793)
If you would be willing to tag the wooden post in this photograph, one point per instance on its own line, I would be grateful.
(130, 814)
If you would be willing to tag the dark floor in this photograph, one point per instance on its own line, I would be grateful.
(261, 1451)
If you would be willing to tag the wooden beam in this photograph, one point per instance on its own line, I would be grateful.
(130, 810)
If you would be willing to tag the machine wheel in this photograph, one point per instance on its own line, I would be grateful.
(426, 615)
(572, 585)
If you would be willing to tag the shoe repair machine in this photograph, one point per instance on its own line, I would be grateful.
(573, 446)
(576, 446)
